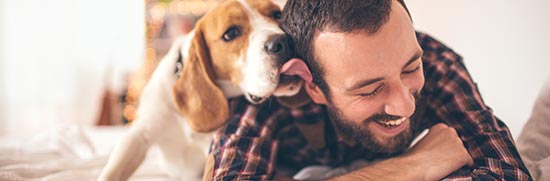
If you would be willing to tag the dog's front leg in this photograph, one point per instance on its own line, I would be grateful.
(127, 155)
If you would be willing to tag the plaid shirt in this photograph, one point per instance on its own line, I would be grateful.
(260, 140)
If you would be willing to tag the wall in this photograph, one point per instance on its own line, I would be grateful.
(58, 57)
(505, 45)
(2, 67)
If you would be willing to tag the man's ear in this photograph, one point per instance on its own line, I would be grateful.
(315, 93)
(296, 67)
(295, 101)
(196, 95)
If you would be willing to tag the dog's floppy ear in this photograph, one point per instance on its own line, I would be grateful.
(196, 94)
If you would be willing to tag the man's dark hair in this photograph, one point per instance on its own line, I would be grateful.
(304, 19)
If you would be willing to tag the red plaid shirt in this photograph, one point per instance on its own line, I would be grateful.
(261, 140)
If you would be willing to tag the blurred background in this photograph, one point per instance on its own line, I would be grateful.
(85, 62)
(82, 62)
(505, 45)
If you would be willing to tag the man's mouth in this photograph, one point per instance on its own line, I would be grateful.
(391, 128)
(392, 123)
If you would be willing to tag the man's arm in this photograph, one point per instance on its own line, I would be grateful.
(438, 154)
(246, 148)
(227, 161)
(454, 99)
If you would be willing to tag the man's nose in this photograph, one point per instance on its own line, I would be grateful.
(400, 102)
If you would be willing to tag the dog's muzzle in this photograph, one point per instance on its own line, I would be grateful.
(279, 47)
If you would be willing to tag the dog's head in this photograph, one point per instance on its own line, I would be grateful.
(239, 42)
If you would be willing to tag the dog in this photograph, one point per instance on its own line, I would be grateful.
(236, 49)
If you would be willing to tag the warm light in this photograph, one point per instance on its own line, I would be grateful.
(181, 7)
(158, 11)
(150, 53)
(129, 112)
(194, 7)
(173, 7)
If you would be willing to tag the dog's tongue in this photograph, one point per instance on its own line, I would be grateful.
(296, 67)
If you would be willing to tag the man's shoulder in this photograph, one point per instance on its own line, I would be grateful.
(438, 59)
(436, 51)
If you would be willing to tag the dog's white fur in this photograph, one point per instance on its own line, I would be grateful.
(257, 72)
(183, 149)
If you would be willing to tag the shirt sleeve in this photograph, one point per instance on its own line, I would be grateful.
(245, 149)
(455, 100)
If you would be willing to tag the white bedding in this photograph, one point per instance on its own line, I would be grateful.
(75, 153)
(68, 153)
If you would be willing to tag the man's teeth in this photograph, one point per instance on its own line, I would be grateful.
(392, 122)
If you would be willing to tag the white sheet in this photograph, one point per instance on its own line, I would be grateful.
(75, 153)
(68, 153)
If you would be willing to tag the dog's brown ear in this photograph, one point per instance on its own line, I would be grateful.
(295, 101)
(196, 94)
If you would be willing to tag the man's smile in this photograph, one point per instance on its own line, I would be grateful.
(389, 128)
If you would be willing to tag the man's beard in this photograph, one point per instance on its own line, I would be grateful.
(360, 133)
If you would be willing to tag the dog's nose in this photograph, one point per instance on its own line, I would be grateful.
(279, 45)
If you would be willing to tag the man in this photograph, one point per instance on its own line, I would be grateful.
(375, 85)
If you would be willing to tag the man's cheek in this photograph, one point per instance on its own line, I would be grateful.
(415, 82)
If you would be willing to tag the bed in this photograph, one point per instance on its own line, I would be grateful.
(68, 152)
(72, 152)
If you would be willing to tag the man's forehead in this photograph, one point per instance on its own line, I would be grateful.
(356, 52)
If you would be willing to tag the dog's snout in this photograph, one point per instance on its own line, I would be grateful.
(274, 46)
(279, 45)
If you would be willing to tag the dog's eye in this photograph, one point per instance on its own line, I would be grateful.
(231, 33)
(276, 15)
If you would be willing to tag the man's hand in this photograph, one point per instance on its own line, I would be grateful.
(440, 152)
(435, 156)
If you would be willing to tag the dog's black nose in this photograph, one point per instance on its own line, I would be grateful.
(279, 45)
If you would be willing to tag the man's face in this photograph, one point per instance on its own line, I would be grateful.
(374, 80)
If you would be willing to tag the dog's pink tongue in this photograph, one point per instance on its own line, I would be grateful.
(296, 67)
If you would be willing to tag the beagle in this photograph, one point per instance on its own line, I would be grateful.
(236, 49)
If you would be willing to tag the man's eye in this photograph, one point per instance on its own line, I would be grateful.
(373, 93)
(231, 33)
(412, 71)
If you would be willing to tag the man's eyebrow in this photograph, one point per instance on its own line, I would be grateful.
(363, 83)
(415, 57)
(367, 82)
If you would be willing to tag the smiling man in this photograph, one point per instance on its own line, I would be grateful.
(375, 85)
